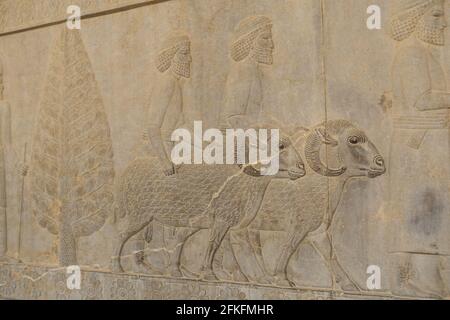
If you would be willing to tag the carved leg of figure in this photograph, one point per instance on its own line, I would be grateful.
(294, 238)
(122, 238)
(217, 233)
(247, 258)
(322, 243)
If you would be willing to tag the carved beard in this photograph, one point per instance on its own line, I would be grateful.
(181, 67)
(431, 35)
(263, 55)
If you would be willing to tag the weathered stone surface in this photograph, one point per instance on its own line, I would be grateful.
(86, 119)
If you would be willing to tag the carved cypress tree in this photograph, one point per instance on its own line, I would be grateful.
(72, 169)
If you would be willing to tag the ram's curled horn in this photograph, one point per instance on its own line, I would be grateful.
(314, 142)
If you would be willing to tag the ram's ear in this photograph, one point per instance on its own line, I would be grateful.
(325, 137)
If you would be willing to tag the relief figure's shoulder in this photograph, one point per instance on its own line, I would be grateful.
(411, 52)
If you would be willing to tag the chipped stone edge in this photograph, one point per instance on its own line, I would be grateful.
(86, 14)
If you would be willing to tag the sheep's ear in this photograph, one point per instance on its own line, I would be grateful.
(325, 137)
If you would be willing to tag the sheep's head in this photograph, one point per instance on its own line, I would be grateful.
(344, 146)
(290, 163)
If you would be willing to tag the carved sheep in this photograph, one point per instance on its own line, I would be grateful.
(318, 194)
(215, 197)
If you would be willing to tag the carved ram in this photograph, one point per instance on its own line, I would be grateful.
(336, 152)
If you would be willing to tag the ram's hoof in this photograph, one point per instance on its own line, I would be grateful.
(115, 266)
(282, 281)
(348, 286)
(208, 276)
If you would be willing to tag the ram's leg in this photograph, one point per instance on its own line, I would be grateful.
(323, 244)
(139, 251)
(247, 258)
(217, 233)
(255, 241)
(295, 237)
(226, 266)
(141, 264)
(181, 236)
(122, 238)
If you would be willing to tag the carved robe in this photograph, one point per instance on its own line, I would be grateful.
(419, 161)
(244, 95)
(166, 109)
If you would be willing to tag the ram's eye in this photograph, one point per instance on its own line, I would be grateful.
(282, 146)
(353, 140)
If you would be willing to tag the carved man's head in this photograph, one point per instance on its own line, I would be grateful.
(424, 18)
(253, 38)
(176, 55)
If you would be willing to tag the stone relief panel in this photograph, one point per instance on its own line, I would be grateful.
(86, 170)
(397, 85)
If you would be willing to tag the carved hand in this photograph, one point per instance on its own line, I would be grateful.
(168, 168)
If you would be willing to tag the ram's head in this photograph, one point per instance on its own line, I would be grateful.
(337, 147)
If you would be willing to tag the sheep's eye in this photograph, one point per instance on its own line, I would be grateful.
(353, 140)
(282, 146)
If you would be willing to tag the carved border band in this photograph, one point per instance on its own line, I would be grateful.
(20, 15)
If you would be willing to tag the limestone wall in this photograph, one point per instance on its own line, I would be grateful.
(82, 183)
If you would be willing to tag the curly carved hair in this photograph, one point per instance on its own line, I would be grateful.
(245, 35)
(406, 17)
(169, 49)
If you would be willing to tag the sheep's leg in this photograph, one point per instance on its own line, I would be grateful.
(323, 244)
(175, 253)
(217, 233)
(255, 241)
(290, 246)
(241, 244)
(232, 270)
(140, 263)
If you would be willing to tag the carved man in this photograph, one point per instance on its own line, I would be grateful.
(252, 47)
(419, 164)
(5, 141)
(166, 106)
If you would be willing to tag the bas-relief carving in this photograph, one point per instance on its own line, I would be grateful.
(8, 164)
(72, 168)
(221, 198)
(165, 113)
(252, 46)
(419, 158)
(224, 199)
(72, 174)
